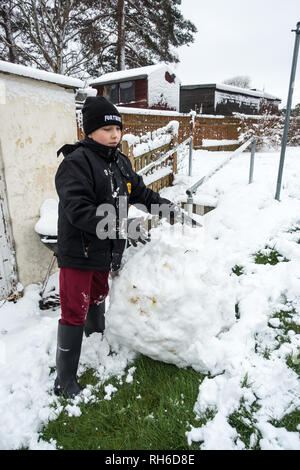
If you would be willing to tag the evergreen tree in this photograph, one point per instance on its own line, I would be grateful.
(138, 33)
(153, 30)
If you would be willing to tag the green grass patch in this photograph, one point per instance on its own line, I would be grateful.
(237, 311)
(269, 255)
(238, 270)
(295, 228)
(287, 324)
(290, 421)
(283, 329)
(152, 412)
(244, 422)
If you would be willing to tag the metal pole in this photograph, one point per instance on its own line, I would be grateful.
(288, 111)
(190, 196)
(253, 146)
(190, 203)
(190, 156)
(48, 275)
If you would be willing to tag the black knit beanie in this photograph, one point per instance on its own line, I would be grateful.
(98, 112)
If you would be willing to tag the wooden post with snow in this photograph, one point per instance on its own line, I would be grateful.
(128, 151)
(175, 143)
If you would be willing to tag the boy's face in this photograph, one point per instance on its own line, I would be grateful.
(107, 135)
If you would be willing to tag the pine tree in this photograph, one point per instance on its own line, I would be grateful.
(153, 30)
(140, 32)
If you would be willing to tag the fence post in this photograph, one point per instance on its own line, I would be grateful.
(190, 203)
(175, 143)
(191, 156)
(128, 151)
(253, 146)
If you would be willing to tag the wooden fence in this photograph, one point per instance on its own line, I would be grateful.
(201, 127)
(158, 176)
(206, 127)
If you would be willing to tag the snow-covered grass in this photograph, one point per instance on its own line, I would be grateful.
(217, 306)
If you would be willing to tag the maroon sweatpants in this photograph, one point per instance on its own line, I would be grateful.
(77, 290)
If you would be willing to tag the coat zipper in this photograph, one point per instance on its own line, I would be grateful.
(84, 246)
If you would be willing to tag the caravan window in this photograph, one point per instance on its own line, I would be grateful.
(111, 93)
(127, 92)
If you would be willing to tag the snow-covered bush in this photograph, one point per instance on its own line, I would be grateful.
(268, 130)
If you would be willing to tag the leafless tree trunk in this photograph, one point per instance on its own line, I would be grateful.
(8, 39)
(121, 35)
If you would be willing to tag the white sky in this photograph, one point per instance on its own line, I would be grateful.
(242, 37)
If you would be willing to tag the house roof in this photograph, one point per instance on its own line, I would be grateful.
(233, 89)
(36, 74)
(131, 74)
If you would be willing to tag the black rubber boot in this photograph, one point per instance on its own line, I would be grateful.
(95, 319)
(69, 340)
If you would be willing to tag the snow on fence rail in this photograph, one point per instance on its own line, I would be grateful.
(149, 148)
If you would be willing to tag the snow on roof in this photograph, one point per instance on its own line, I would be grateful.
(234, 89)
(30, 72)
(122, 75)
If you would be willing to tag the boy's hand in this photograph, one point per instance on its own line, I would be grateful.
(136, 233)
(115, 262)
(114, 274)
(132, 230)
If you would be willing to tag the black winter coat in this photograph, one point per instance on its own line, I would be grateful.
(92, 174)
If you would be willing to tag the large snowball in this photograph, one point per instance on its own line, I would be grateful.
(172, 301)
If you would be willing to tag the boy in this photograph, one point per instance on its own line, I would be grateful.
(94, 172)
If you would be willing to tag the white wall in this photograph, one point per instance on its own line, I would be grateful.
(36, 118)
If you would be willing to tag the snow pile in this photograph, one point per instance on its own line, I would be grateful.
(47, 224)
(172, 314)
(178, 293)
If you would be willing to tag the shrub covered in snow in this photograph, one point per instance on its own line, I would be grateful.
(268, 130)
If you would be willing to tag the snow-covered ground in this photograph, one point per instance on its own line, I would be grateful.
(176, 300)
